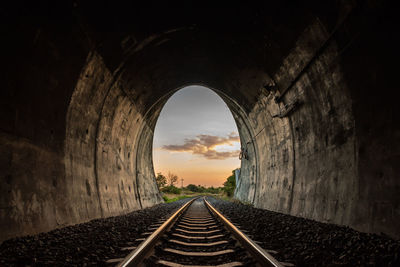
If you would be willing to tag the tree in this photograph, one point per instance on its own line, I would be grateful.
(161, 180)
(230, 185)
(172, 178)
(192, 188)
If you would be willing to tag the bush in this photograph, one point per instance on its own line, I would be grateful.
(213, 190)
(230, 185)
(192, 188)
(202, 189)
(171, 189)
(161, 180)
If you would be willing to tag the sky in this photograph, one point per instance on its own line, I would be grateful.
(196, 138)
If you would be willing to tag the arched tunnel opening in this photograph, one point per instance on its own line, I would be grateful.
(311, 86)
(195, 138)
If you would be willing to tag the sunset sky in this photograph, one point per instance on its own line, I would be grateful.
(196, 138)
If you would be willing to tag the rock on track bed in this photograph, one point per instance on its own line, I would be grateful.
(306, 242)
(86, 244)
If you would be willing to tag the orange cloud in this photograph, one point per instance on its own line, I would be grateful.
(204, 145)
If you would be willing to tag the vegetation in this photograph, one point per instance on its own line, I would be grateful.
(230, 185)
(166, 186)
(161, 180)
(171, 189)
(172, 178)
(169, 200)
(202, 189)
(192, 187)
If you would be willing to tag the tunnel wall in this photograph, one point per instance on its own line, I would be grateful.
(86, 166)
(307, 156)
(105, 144)
(249, 168)
(369, 68)
(41, 65)
(315, 160)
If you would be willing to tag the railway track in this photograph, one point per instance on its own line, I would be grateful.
(197, 235)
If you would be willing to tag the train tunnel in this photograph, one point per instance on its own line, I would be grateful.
(312, 88)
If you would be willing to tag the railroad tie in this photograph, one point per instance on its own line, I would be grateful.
(173, 264)
(198, 244)
(197, 232)
(197, 227)
(199, 254)
(195, 224)
(197, 237)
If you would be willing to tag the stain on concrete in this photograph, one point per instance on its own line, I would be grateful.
(88, 189)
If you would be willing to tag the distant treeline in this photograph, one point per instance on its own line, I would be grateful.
(166, 185)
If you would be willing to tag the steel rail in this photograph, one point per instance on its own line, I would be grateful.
(135, 257)
(263, 257)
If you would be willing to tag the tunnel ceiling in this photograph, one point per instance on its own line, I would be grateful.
(186, 41)
(172, 46)
(239, 26)
(310, 85)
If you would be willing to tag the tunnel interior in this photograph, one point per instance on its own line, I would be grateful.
(311, 87)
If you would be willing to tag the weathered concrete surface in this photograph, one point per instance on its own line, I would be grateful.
(83, 94)
(309, 158)
(103, 148)
(40, 67)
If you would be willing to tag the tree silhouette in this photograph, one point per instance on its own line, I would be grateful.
(161, 180)
(172, 178)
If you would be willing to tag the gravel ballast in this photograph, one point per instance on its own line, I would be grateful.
(305, 242)
(290, 239)
(86, 244)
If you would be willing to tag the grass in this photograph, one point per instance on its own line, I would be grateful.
(234, 200)
(169, 200)
(168, 197)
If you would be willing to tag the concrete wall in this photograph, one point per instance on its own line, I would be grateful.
(103, 152)
(40, 67)
(308, 161)
(332, 157)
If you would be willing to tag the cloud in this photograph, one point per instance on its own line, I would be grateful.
(205, 145)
